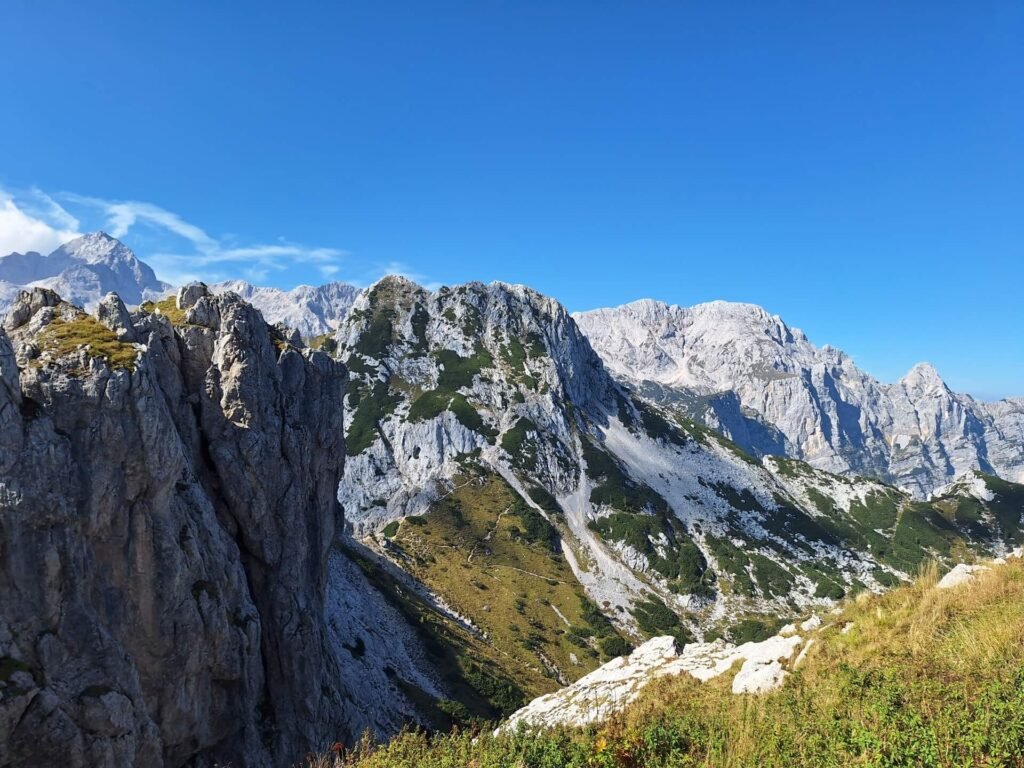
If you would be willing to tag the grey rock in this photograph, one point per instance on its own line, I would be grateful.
(165, 535)
(189, 294)
(112, 312)
(27, 304)
(916, 433)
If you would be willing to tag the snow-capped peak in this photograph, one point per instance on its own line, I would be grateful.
(311, 310)
(95, 248)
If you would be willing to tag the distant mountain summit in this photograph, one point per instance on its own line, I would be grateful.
(89, 267)
(83, 271)
(743, 371)
(312, 311)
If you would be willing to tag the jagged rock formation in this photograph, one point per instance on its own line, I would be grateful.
(746, 373)
(167, 505)
(81, 271)
(312, 311)
(178, 588)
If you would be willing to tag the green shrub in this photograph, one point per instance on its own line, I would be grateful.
(615, 646)
(519, 445)
(63, 337)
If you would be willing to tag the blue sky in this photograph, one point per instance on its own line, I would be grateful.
(857, 168)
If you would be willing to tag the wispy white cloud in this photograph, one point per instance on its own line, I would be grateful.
(179, 251)
(25, 228)
(39, 204)
(122, 215)
(214, 257)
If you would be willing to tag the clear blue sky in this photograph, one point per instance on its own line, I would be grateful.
(857, 168)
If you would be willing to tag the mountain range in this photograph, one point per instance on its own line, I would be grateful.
(750, 376)
(732, 367)
(240, 523)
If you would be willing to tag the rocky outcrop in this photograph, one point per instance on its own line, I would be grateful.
(610, 688)
(167, 506)
(916, 434)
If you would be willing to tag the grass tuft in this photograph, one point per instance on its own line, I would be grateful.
(63, 337)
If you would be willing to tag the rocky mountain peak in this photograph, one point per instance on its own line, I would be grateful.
(923, 377)
(94, 247)
(480, 514)
(829, 412)
(167, 494)
(83, 270)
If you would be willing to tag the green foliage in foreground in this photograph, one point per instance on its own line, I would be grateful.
(925, 677)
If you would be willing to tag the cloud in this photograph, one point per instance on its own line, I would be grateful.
(214, 257)
(178, 250)
(38, 203)
(22, 228)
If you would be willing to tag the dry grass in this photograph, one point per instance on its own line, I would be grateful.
(167, 307)
(470, 550)
(63, 337)
(925, 677)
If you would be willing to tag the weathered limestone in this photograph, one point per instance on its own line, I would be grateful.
(164, 535)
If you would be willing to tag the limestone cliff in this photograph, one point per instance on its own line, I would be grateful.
(167, 503)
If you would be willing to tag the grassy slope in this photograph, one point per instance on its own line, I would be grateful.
(63, 337)
(925, 677)
(491, 557)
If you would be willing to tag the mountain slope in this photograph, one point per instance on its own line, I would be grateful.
(748, 374)
(918, 676)
(82, 271)
(484, 432)
(179, 587)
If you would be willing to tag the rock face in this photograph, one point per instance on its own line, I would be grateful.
(81, 271)
(916, 433)
(312, 311)
(167, 505)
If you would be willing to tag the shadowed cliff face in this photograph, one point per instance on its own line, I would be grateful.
(167, 503)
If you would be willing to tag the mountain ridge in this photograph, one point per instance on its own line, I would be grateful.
(828, 410)
(483, 515)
